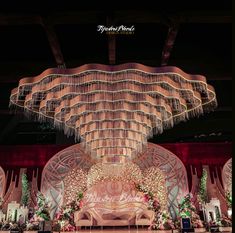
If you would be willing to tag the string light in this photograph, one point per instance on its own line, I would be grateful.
(74, 182)
(114, 110)
(155, 181)
(121, 171)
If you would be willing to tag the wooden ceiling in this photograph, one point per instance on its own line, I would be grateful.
(196, 38)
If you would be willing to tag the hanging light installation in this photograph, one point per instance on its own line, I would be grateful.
(114, 110)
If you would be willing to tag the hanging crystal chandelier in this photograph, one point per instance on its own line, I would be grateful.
(114, 110)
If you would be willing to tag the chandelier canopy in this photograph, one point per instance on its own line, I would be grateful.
(114, 109)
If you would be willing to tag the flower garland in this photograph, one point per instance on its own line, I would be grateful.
(42, 213)
(162, 220)
(65, 217)
(225, 221)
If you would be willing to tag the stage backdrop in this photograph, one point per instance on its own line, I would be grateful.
(196, 154)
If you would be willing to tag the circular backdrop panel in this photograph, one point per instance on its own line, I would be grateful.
(59, 166)
(172, 167)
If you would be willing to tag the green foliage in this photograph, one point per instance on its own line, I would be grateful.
(187, 209)
(203, 187)
(25, 197)
(42, 207)
(229, 199)
(80, 196)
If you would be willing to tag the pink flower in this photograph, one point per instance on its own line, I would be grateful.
(58, 216)
(69, 227)
(146, 197)
(161, 227)
(156, 204)
(81, 204)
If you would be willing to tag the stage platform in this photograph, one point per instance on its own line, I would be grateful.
(131, 230)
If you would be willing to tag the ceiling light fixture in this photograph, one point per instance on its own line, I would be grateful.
(114, 110)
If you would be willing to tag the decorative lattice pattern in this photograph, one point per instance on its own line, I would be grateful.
(172, 167)
(227, 176)
(64, 162)
(56, 170)
(2, 182)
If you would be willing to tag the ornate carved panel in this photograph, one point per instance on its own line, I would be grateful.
(227, 175)
(56, 170)
(173, 168)
(59, 166)
(2, 182)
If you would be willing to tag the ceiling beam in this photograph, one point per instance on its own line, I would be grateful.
(54, 42)
(169, 43)
(124, 16)
(19, 19)
(139, 16)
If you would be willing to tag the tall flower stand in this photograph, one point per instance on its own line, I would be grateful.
(45, 226)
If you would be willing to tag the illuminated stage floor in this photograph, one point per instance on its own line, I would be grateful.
(132, 230)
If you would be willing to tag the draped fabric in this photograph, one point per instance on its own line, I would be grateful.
(190, 153)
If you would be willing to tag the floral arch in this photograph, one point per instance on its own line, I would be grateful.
(69, 161)
(172, 167)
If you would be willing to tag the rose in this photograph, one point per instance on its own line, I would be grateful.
(81, 204)
(146, 197)
(59, 216)
(161, 227)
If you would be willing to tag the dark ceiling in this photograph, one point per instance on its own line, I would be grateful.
(196, 38)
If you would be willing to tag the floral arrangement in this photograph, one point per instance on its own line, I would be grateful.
(225, 221)
(65, 217)
(153, 203)
(33, 224)
(12, 226)
(162, 220)
(42, 209)
(229, 199)
(188, 210)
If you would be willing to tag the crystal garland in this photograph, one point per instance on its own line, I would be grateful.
(74, 182)
(152, 180)
(126, 172)
(114, 110)
(155, 181)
